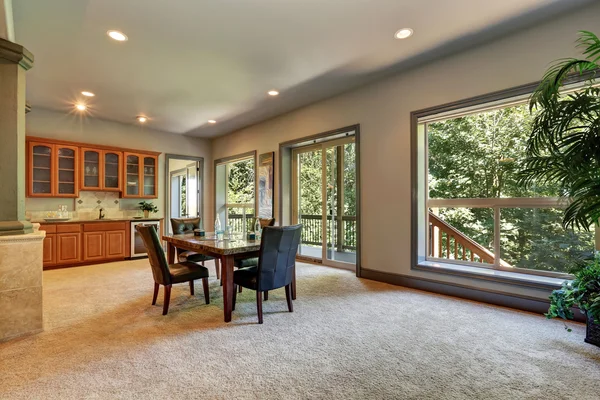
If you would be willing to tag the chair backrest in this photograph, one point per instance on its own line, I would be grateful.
(156, 254)
(185, 225)
(278, 249)
(264, 222)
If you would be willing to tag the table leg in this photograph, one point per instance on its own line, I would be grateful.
(227, 276)
(171, 253)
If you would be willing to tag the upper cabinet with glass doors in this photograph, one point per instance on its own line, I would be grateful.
(62, 169)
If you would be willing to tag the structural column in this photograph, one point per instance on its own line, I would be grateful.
(21, 249)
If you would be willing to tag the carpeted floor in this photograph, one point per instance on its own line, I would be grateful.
(347, 339)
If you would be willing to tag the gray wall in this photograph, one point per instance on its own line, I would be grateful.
(383, 110)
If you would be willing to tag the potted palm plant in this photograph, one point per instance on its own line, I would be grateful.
(564, 149)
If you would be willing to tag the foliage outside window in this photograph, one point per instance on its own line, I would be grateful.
(240, 192)
(476, 158)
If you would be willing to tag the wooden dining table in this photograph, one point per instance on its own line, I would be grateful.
(227, 251)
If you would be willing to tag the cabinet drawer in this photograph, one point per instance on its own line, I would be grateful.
(48, 228)
(104, 226)
(68, 228)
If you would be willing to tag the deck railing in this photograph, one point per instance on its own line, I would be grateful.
(312, 230)
(445, 241)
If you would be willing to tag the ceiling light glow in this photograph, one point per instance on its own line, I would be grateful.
(212, 121)
(88, 94)
(81, 107)
(118, 36)
(142, 118)
(273, 92)
(403, 33)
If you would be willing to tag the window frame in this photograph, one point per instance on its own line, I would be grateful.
(420, 201)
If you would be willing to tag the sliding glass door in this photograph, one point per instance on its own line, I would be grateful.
(324, 201)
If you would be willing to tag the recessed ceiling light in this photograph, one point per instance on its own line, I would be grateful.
(273, 92)
(403, 33)
(118, 36)
(212, 121)
(142, 118)
(88, 94)
(81, 107)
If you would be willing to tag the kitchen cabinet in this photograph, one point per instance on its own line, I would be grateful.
(57, 168)
(141, 178)
(104, 241)
(49, 246)
(52, 170)
(68, 243)
(101, 169)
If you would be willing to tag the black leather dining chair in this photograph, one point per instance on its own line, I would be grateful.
(187, 225)
(276, 264)
(167, 275)
(253, 261)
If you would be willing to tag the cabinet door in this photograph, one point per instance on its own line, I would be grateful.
(132, 175)
(149, 176)
(68, 248)
(111, 168)
(40, 169)
(93, 246)
(49, 250)
(115, 244)
(91, 169)
(66, 171)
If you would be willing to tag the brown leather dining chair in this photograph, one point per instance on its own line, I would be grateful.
(187, 225)
(276, 265)
(167, 275)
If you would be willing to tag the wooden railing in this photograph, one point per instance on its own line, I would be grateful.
(445, 241)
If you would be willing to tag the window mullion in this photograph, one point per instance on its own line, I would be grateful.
(496, 237)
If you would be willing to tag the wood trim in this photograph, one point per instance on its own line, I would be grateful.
(241, 156)
(510, 300)
(68, 228)
(90, 145)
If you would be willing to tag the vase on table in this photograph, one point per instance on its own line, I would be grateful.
(146, 213)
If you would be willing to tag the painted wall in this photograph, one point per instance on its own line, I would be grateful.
(57, 125)
(383, 111)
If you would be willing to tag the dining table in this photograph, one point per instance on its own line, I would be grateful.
(227, 250)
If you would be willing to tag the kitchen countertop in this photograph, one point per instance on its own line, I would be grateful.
(79, 220)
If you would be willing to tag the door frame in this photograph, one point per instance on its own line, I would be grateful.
(167, 190)
(286, 178)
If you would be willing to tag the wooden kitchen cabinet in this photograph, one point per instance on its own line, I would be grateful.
(52, 170)
(49, 246)
(101, 169)
(104, 241)
(140, 176)
(93, 246)
(116, 244)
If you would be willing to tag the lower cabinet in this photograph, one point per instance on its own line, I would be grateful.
(72, 244)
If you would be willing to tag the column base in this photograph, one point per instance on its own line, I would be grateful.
(21, 263)
(15, 228)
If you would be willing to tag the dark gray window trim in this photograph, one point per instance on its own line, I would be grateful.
(500, 95)
(249, 154)
(292, 143)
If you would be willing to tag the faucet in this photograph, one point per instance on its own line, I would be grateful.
(100, 215)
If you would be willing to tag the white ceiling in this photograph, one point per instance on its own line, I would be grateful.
(188, 61)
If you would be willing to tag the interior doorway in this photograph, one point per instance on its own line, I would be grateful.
(183, 188)
(324, 200)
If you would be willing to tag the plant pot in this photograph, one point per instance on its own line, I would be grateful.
(146, 213)
(592, 332)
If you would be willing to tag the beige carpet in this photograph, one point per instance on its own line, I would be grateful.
(347, 339)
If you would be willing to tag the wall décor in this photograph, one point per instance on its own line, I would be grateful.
(265, 185)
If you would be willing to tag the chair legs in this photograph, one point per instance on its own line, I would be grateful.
(266, 295)
(234, 297)
(192, 288)
(294, 284)
(206, 295)
(288, 296)
(259, 306)
(156, 286)
(167, 299)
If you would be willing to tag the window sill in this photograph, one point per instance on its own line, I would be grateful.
(506, 277)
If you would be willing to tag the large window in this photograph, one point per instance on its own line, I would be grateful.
(474, 210)
(235, 191)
